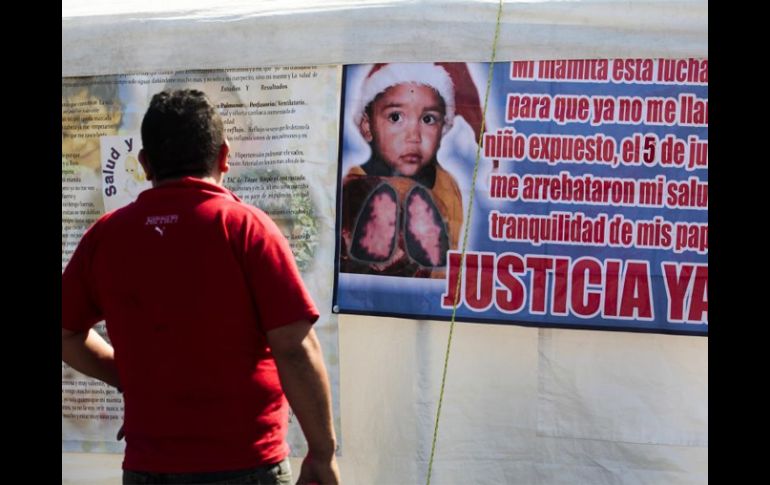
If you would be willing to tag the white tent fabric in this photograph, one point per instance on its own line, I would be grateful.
(522, 405)
(141, 35)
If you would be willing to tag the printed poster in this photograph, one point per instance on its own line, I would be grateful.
(282, 126)
(589, 209)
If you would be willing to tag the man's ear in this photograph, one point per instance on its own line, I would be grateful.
(223, 159)
(145, 165)
(365, 128)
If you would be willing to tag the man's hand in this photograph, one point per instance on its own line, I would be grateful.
(317, 471)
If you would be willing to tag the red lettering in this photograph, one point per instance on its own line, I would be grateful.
(510, 298)
(636, 300)
(612, 275)
(453, 273)
(687, 291)
(586, 303)
(538, 288)
(479, 280)
(676, 287)
(560, 287)
(699, 305)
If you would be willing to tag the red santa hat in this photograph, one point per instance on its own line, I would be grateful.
(451, 80)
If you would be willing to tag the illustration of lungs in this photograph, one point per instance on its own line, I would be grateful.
(374, 237)
(427, 240)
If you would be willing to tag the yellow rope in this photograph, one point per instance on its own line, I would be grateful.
(465, 242)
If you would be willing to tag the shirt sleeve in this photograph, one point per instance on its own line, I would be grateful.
(79, 310)
(278, 290)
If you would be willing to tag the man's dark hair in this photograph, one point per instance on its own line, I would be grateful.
(181, 134)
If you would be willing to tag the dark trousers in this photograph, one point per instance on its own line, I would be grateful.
(277, 474)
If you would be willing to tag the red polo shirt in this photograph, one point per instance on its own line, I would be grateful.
(188, 280)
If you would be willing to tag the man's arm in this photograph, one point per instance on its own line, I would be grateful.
(90, 354)
(304, 380)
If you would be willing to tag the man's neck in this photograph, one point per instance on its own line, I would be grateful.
(216, 180)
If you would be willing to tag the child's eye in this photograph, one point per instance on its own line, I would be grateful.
(429, 119)
(395, 117)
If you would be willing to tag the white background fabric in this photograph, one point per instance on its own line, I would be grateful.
(522, 405)
(144, 35)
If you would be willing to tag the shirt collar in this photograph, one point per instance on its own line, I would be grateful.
(191, 183)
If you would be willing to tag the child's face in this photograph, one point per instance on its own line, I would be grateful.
(405, 127)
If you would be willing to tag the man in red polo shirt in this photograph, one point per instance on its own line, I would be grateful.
(210, 323)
